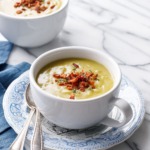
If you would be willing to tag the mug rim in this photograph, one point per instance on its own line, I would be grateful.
(36, 17)
(33, 82)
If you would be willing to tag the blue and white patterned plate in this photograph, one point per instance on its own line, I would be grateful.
(94, 138)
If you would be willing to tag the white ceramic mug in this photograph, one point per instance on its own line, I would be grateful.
(33, 31)
(79, 114)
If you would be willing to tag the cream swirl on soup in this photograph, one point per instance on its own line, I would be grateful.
(75, 78)
(29, 8)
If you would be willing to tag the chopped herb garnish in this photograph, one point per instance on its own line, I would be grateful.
(90, 88)
(74, 91)
(61, 80)
(74, 68)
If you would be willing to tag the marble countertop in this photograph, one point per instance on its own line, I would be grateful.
(121, 28)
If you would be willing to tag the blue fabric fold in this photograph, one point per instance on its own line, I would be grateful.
(5, 49)
(7, 74)
(12, 72)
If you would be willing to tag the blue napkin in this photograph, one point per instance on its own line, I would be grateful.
(5, 49)
(7, 74)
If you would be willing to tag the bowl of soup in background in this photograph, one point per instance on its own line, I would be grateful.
(34, 26)
(77, 112)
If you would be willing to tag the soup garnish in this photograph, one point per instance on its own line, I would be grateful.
(75, 78)
(29, 7)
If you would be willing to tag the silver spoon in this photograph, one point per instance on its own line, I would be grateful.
(36, 142)
(19, 141)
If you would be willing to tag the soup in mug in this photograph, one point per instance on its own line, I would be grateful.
(29, 8)
(75, 78)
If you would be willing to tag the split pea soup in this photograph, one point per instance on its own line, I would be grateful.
(75, 78)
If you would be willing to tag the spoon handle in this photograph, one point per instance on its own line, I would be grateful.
(19, 141)
(37, 143)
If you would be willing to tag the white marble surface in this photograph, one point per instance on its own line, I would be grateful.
(121, 28)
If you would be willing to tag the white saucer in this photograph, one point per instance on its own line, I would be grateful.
(95, 138)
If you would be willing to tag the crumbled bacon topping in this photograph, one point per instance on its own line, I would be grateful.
(72, 96)
(75, 65)
(52, 6)
(36, 5)
(19, 11)
(76, 80)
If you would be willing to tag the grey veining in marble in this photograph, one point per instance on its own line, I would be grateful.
(121, 28)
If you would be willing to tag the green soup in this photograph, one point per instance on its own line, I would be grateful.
(75, 78)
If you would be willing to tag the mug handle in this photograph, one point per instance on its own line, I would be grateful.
(125, 108)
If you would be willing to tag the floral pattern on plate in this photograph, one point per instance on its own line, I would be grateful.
(94, 138)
